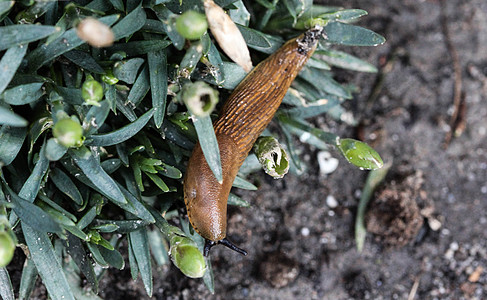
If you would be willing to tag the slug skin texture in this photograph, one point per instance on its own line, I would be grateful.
(244, 116)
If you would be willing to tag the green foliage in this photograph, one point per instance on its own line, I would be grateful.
(91, 160)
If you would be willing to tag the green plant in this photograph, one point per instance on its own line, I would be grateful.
(94, 141)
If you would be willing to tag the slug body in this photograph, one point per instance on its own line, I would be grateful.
(244, 116)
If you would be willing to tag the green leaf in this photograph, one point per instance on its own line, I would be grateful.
(28, 279)
(95, 173)
(6, 289)
(37, 128)
(158, 247)
(241, 183)
(138, 47)
(374, 178)
(95, 253)
(346, 61)
(84, 60)
(7, 117)
(47, 263)
(323, 82)
(5, 7)
(127, 70)
(159, 182)
(32, 215)
(15, 35)
(233, 74)
(158, 82)
(130, 24)
(54, 150)
(9, 64)
(169, 171)
(140, 248)
(96, 116)
(123, 226)
(66, 185)
(346, 34)
(344, 14)
(75, 249)
(112, 257)
(122, 134)
(66, 42)
(23, 94)
(237, 201)
(140, 88)
(209, 145)
(240, 15)
(254, 38)
(168, 24)
(12, 139)
(118, 4)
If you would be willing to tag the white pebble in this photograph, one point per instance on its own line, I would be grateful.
(327, 163)
(331, 201)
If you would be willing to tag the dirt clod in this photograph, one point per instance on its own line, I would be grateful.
(394, 215)
(279, 270)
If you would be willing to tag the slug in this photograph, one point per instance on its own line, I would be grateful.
(244, 116)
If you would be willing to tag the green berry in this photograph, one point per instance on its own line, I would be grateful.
(92, 92)
(68, 133)
(7, 248)
(191, 25)
(109, 78)
(360, 154)
(187, 257)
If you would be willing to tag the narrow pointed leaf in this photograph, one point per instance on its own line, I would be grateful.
(75, 249)
(209, 145)
(9, 64)
(140, 247)
(241, 183)
(66, 185)
(158, 84)
(28, 280)
(32, 215)
(9, 118)
(23, 94)
(6, 289)
(346, 34)
(122, 134)
(47, 263)
(66, 42)
(140, 88)
(346, 61)
(14, 35)
(93, 170)
(130, 24)
(127, 70)
(84, 60)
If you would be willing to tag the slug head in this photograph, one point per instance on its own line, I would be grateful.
(225, 242)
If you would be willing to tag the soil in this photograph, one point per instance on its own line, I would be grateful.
(429, 217)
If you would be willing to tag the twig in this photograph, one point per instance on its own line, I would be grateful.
(457, 68)
(414, 288)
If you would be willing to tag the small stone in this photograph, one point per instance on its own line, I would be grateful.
(327, 163)
(434, 224)
(331, 201)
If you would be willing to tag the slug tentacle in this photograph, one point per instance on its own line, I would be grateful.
(244, 116)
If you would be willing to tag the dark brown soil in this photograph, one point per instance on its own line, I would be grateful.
(299, 248)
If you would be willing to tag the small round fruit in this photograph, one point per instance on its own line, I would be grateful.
(7, 249)
(191, 25)
(68, 133)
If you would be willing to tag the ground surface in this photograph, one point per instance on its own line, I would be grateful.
(300, 248)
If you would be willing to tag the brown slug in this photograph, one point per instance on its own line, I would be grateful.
(244, 116)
